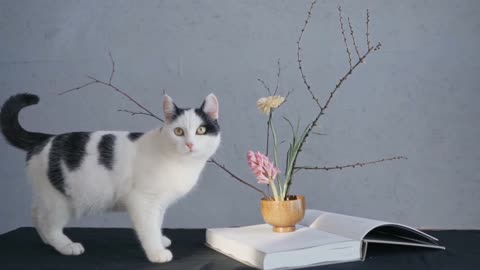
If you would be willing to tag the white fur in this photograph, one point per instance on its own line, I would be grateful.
(147, 177)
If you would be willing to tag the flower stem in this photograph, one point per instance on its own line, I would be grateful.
(269, 121)
(274, 190)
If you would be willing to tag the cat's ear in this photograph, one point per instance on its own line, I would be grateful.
(210, 106)
(169, 108)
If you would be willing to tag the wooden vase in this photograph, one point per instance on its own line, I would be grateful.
(283, 215)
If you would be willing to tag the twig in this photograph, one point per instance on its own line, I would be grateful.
(299, 58)
(323, 108)
(265, 86)
(236, 177)
(287, 95)
(77, 88)
(115, 88)
(278, 76)
(353, 37)
(113, 68)
(340, 167)
(132, 112)
(340, 82)
(368, 33)
(344, 37)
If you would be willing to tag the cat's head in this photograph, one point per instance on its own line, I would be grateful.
(192, 132)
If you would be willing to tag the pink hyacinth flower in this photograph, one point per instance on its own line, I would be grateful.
(262, 167)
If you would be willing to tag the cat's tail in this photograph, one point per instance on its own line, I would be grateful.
(11, 129)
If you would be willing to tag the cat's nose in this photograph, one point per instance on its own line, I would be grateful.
(189, 145)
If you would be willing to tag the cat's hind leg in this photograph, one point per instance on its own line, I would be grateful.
(51, 212)
(35, 218)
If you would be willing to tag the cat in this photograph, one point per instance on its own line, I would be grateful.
(81, 173)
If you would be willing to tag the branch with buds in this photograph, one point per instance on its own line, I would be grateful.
(323, 108)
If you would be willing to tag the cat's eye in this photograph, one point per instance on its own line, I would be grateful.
(178, 131)
(201, 130)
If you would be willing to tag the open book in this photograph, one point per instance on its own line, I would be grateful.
(320, 238)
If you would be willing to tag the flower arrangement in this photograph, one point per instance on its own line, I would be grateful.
(266, 171)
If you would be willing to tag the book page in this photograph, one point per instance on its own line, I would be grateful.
(357, 228)
(347, 226)
(265, 240)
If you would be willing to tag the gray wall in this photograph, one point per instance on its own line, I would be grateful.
(418, 97)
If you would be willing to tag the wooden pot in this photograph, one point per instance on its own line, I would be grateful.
(283, 215)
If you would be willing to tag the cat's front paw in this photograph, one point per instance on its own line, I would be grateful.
(160, 256)
(72, 249)
(166, 241)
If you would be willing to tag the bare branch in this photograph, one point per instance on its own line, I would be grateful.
(342, 28)
(353, 37)
(278, 76)
(236, 177)
(115, 88)
(287, 95)
(299, 58)
(368, 33)
(349, 72)
(113, 68)
(133, 113)
(340, 167)
(77, 88)
(323, 108)
(265, 86)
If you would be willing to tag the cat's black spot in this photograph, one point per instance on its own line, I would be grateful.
(178, 112)
(212, 126)
(133, 136)
(106, 151)
(69, 149)
(75, 149)
(36, 149)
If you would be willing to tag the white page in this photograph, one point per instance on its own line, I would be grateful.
(349, 226)
(265, 240)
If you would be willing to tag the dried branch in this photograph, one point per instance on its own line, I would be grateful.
(77, 88)
(113, 68)
(287, 95)
(340, 167)
(264, 84)
(115, 88)
(323, 108)
(278, 76)
(236, 177)
(342, 28)
(133, 113)
(353, 37)
(368, 33)
(299, 58)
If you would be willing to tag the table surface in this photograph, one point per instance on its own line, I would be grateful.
(119, 249)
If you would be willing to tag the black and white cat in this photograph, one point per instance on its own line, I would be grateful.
(81, 173)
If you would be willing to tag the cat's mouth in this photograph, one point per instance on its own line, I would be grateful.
(190, 152)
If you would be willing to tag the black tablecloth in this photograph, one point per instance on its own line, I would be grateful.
(119, 249)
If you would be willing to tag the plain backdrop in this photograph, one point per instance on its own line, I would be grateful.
(418, 96)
